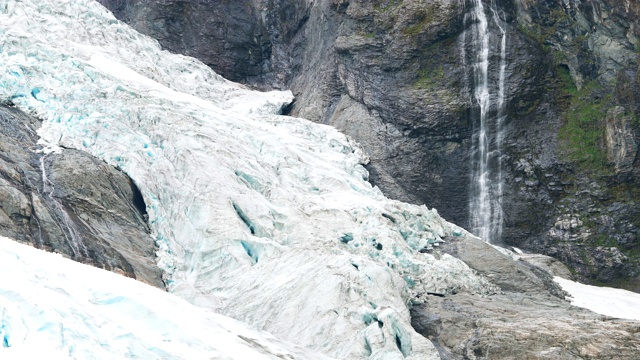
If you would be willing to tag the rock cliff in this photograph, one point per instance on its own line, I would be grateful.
(394, 75)
(71, 203)
(578, 176)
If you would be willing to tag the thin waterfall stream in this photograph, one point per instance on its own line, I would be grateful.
(71, 234)
(486, 185)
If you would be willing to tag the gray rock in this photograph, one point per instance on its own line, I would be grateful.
(522, 326)
(71, 203)
(499, 268)
(552, 266)
(622, 147)
(528, 319)
(13, 202)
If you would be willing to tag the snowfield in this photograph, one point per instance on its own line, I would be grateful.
(55, 308)
(608, 301)
(264, 218)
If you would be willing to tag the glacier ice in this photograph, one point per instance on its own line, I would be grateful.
(249, 209)
(54, 308)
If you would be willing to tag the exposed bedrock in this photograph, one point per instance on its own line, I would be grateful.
(522, 326)
(527, 319)
(71, 203)
(396, 76)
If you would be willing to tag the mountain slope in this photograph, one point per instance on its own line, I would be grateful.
(69, 202)
(265, 218)
(398, 76)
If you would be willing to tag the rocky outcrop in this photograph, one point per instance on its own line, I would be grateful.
(500, 267)
(395, 75)
(249, 41)
(527, 319)
(620, 140)
(517, 326)
(71, 203)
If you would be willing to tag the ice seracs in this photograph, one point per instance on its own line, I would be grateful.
(265, 218)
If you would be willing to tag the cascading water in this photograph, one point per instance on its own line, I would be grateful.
(485, 196)
(71, 234)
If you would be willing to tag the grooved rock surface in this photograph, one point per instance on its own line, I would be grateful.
(498, 267)
(71, 203)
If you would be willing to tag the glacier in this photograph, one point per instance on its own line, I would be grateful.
(264, 218)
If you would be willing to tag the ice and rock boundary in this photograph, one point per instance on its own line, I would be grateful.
(264, 218)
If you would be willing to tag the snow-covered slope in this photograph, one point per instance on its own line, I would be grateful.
(608, 301)
(264, 218)
(54, 308)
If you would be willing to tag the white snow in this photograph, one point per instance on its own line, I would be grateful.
(265, 218)
(54, 308)
(608, 301)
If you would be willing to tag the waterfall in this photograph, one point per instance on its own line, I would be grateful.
(72, 235)
(488, 31)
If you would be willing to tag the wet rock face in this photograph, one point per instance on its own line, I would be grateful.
(622, 146)
(400, 62)
(571, 163)
(245, 40)
(187, 27)
(71, 203)
(389, 73)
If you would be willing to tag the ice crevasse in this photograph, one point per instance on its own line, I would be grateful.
(265, 218)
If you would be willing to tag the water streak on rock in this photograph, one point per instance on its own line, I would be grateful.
(71, 234)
